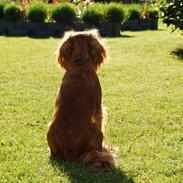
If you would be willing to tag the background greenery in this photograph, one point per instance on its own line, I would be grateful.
(142, 84)
(68, 13)
(63, 13)
(37, 13)
(11, 12)
(172, 12)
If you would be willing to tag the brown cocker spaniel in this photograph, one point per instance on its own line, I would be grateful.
(75, 133)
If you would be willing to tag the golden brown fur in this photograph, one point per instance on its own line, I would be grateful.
(75, 133)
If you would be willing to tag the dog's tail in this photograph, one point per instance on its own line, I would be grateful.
(102, 161)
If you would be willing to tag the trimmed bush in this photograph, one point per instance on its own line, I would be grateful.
(133, 11)
(133, 14)
(153, 14)
(1, 11)
(115, 13)
(64, 13)
(2, 6)
(37, 13)
(92, 15)
(12, 12)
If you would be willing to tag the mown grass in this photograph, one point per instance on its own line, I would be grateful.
(142, 87)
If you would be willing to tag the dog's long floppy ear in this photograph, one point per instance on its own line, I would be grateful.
(64, 53)
(98, 52)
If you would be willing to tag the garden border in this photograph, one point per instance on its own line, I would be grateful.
(106, 29)
(141, 24)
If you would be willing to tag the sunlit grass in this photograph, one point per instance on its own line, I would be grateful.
(142, 86)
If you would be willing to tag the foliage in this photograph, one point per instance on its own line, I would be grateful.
(172, 12)
(92, 15)
(37, 12)
(64, 13)
(134, 12)
(153, 13)
(115, 13)
(1, 10)
(12, 12)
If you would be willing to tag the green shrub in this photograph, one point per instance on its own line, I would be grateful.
(12, 12)
(171, 12)
(64, 13)
(1, 10)
(134, 12)
(93, 14)
(37, 13)
(153, 14)
(114, 13)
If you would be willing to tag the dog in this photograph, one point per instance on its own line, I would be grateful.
(75, 133)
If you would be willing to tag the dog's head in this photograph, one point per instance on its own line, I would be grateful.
(81, 47)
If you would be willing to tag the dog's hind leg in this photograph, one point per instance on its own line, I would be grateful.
(100, 118)
(52, 142)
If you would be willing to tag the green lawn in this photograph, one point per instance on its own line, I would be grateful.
(142, 86)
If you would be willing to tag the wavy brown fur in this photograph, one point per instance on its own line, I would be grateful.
(75, 132)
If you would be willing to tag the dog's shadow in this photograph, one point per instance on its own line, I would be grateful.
(81, 173)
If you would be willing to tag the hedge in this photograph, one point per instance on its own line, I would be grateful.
(63, 13)
(37, 13)
(12, 12)
(67, 13)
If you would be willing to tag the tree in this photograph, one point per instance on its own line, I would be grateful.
(172, 12)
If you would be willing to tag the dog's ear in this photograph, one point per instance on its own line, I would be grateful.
(64, 52)
(98, 52)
